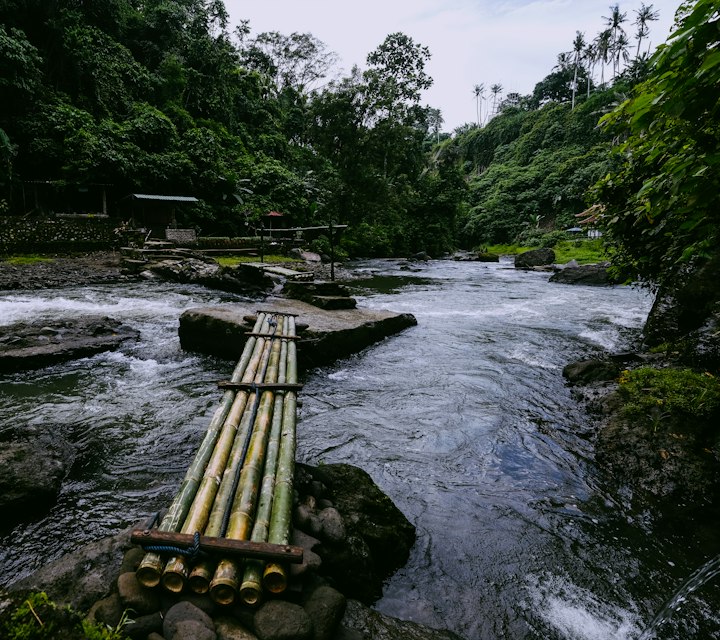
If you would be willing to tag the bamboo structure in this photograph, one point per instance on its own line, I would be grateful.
(151, 566)
(275, 575)
(234, 499)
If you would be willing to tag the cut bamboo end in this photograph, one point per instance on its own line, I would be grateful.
(223, 592)
(173, 582)
(251, 592)
(275, 578)
(150, 570)
(200, 577)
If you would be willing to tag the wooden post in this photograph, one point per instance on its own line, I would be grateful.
(262, 243)
(332, 253)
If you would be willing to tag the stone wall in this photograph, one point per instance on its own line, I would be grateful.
(56, 234)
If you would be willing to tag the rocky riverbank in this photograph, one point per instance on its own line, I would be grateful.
(657, 410)
(353, 538)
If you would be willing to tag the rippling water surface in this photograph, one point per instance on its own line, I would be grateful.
(464, 420)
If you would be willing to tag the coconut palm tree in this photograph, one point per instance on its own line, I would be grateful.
(578, 47)
(479, 92)
(643, 16)
(590, 56)
(615, 21)
(620, 51)
(602, 51)
(495, 89)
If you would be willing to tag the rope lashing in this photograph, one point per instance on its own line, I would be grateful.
(191, 552)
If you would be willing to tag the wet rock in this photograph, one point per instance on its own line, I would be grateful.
(332, 526)
(588, 274)
(280, 620)
(588, 371)
(534, 258)
(185, 618)
(330, 335)
(136, 597)
(228, 628)
(132, 559)
(142, 626)
(325, 608)
(107, 611)
(31, 346)
(81, 578)
(33, 470)
(378, 536)
(372, 624)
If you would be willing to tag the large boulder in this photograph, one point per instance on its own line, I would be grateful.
(588, 274)
(364, 537)
(325, 337)
(83, 577)
(33, 469)
(375, 625)
(534, 258)
(34, 345)
(686, 315)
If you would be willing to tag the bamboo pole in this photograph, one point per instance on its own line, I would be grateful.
(202, 573)
(275, 575)
(151, 566)
(251, 586)
(225, 581)
(176, 569)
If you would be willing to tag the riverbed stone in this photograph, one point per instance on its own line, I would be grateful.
(588, 274)
(107, 611)
(330, 335)
(372, 624)
(281, 620)
(136, 597)
(332, 525)
(32, 346)
(534, 258)
(142, 626)
(325, 607)
(593, 370)
(175, 624)
(81, 578)
(34, 466)
(378, 536)
(228, 628)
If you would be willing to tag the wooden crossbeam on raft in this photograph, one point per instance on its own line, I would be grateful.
(262, 386)
(224, 546)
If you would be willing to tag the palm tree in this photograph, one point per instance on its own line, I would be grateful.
(602, 50)
(644, 15)
(620, 51)
(495, 90)
(479, 92)
(615, 21)
(578, 46)
(590, 55)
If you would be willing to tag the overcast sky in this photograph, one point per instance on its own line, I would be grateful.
(511, 42)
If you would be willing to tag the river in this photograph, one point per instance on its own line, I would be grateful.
(464, 421)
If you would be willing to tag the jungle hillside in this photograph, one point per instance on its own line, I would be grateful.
(170, 98)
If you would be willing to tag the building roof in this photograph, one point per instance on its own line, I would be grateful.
(147, 196)
(274, 214)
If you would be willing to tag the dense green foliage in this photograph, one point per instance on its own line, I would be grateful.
(662, 199)
(657, 394)
(33, 616)
(157, 97)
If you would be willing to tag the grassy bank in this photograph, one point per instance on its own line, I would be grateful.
(583, 251)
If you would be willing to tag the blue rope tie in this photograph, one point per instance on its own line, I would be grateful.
(191, 552)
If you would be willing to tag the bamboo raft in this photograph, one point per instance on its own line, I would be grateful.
(227, 530)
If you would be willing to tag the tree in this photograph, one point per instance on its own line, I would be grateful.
(602, 50)
(479, 92)
(643, 17)
(615, 21)
(578, 48)
(496, 90)
(662, 201)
